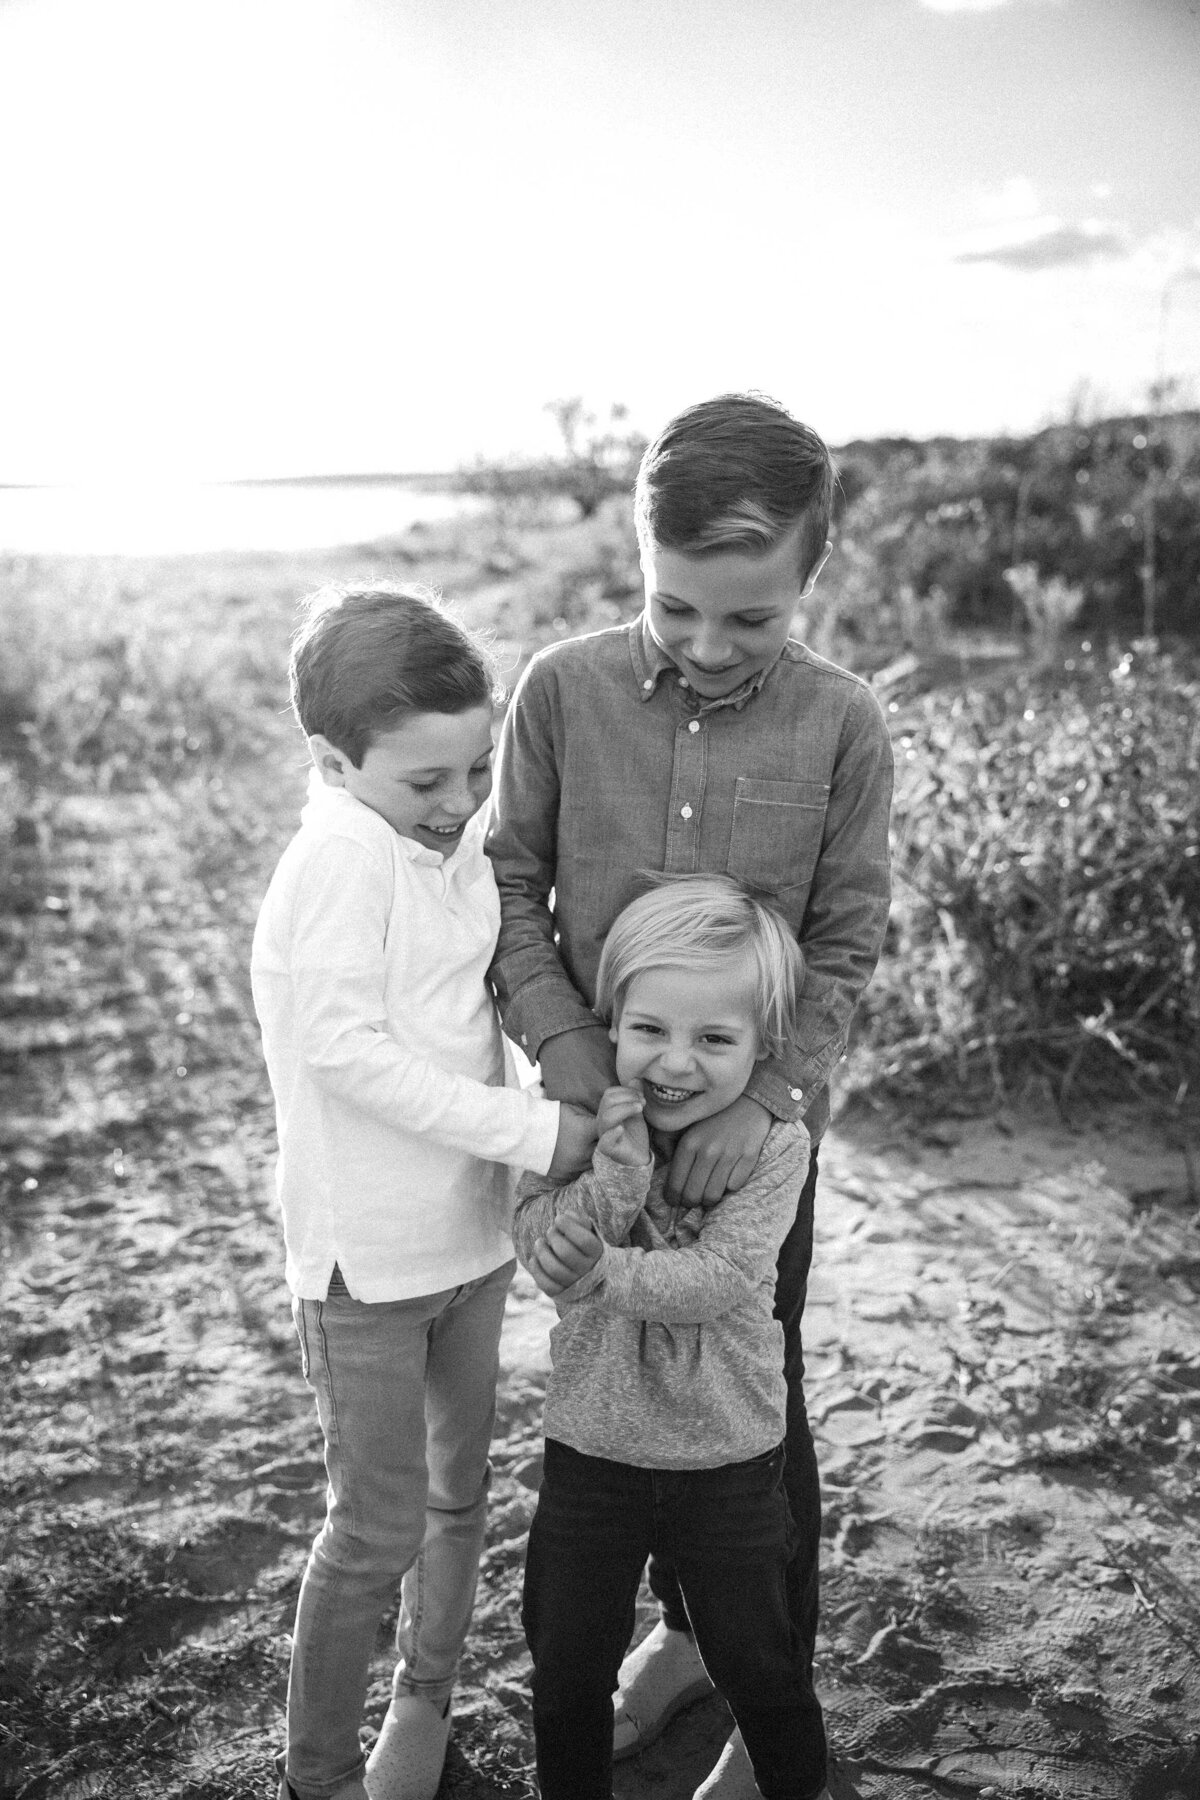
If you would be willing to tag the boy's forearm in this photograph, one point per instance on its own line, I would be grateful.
(610, 1195)
(787, 1085)
(338, 981)
(535, 996)
(845, 919)
(369, 1070)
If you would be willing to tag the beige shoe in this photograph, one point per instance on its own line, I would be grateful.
(659, 1677)
(733, 1777)
(406, 1763)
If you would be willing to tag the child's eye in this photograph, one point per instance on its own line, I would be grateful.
(645, 1030)
(482, 768)
(714, 1037)
(422, 787)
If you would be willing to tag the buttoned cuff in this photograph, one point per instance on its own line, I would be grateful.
(783, 1098)
(542, 1010)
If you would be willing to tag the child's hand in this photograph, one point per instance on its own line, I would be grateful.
(569, 1249)
(716, 1156)
(622, 1129)
(578, 1065)
(574, 1144)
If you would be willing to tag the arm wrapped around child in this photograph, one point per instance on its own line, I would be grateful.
(612, 1239)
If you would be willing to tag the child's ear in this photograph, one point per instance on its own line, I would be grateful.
(816, 570)
(329, 762)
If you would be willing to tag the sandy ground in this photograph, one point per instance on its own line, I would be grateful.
(1004, 1381)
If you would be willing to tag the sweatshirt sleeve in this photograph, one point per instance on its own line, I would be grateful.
(336, 967)
(735, 1252)
(609, 1194)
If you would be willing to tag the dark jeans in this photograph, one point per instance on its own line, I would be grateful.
(728, 1534)
(800, 1477)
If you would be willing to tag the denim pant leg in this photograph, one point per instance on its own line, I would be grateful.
(729, 1532)
(366, 1364)
(800, 1474)
(438, 1592)
(587, 1545)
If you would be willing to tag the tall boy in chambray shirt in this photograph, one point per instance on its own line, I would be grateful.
(702, 738)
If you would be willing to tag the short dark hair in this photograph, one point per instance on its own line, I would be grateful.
(735, 473)
(363, 658)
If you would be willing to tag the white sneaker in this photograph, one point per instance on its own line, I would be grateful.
(659, 1677)
(406, 1762)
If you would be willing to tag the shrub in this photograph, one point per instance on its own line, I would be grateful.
(1097, 506)
(1047, 881)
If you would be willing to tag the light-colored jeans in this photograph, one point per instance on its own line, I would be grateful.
(406, 1395)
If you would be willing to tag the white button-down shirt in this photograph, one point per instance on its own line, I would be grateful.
(386, 1059)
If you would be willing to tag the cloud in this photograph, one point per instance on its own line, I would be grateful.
(1014, 199)
(1052, 246)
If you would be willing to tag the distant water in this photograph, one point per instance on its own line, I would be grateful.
(176, 519)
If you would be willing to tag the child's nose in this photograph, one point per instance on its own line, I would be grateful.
(709, 646)
(676, 1056)
(460, 799)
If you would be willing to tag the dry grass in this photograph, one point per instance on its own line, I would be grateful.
(1047, 863)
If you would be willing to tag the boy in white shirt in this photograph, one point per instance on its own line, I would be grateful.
(398, 1120)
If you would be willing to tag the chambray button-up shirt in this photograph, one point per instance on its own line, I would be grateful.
(607, 770)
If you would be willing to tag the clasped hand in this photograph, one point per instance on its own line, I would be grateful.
(568, 1250)
(572, 1245)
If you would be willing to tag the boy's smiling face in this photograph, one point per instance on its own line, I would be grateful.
(427, 777)
(690, 1036)
(724, 616)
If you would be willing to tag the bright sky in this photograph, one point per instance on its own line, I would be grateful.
(254, 237)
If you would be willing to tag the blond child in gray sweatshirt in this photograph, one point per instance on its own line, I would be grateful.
(665, 1410)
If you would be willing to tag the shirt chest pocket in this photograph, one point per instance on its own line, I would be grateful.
(777, 830)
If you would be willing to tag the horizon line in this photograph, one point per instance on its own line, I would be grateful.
(442, 479)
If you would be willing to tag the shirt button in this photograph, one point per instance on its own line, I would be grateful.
(525, 1040)
(685, 812)
(694, 726)
(647, 685)
(796, 1093)
(682, 681)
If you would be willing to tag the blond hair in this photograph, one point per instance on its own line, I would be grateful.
(701, 922)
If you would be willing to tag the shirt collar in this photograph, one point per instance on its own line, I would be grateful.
(324, 804)
(651, 663)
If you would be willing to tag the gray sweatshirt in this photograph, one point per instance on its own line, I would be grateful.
(667, 1353)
